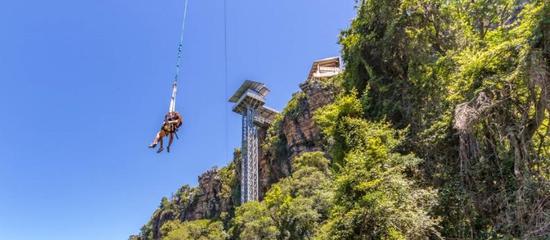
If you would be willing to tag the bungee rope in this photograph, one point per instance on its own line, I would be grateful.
(172, 107)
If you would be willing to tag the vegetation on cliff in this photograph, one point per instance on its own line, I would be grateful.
(293, 208)
(470, 82)
(440, 128)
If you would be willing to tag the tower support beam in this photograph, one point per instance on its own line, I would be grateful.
(249, 167)
(249, 102)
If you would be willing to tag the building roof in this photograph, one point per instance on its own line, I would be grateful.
(325, 62)
(260, 88)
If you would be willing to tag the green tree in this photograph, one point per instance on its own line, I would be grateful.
(198, 229)
(374, 198)
(300, 203)
(294, 207)
(252, 222)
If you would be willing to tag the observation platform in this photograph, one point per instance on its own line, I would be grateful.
(252, 94)
(325, 68)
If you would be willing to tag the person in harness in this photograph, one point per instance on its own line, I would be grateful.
(172, 122)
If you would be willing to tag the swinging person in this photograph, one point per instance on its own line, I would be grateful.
(172, 122)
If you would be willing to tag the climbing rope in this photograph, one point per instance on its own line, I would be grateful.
(172, 107)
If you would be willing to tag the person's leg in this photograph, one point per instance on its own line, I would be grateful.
(171, 139)
(161, 146)
(161, 140)
(156, 140)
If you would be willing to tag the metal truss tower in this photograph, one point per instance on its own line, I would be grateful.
(249, 102)
(249, 166)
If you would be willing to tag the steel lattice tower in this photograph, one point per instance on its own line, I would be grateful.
(249, 167)
(249, 102)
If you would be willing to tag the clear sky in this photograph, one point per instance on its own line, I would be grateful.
(84, 86)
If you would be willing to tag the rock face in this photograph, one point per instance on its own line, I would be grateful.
(216, 194)
(208, 201)
(302, 135)
(266, 169)
(298, 132)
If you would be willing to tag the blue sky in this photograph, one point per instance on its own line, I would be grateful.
(84, 86)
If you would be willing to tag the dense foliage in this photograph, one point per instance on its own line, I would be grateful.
(373, 197)
(442, 130)
(292, 208)
(198, 229)
(470, 81)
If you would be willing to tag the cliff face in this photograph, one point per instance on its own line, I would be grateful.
(295, 131)
(210, 200)
(218, 191)
(302, 135)
(267, 172)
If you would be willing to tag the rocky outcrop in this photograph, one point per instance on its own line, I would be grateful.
(296, 132)
(302, 135)
(268, 172)
(216, 194)
(208, 200)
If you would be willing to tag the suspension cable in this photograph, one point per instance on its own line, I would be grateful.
(180, 45)
(172, 107)
(226, 136)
